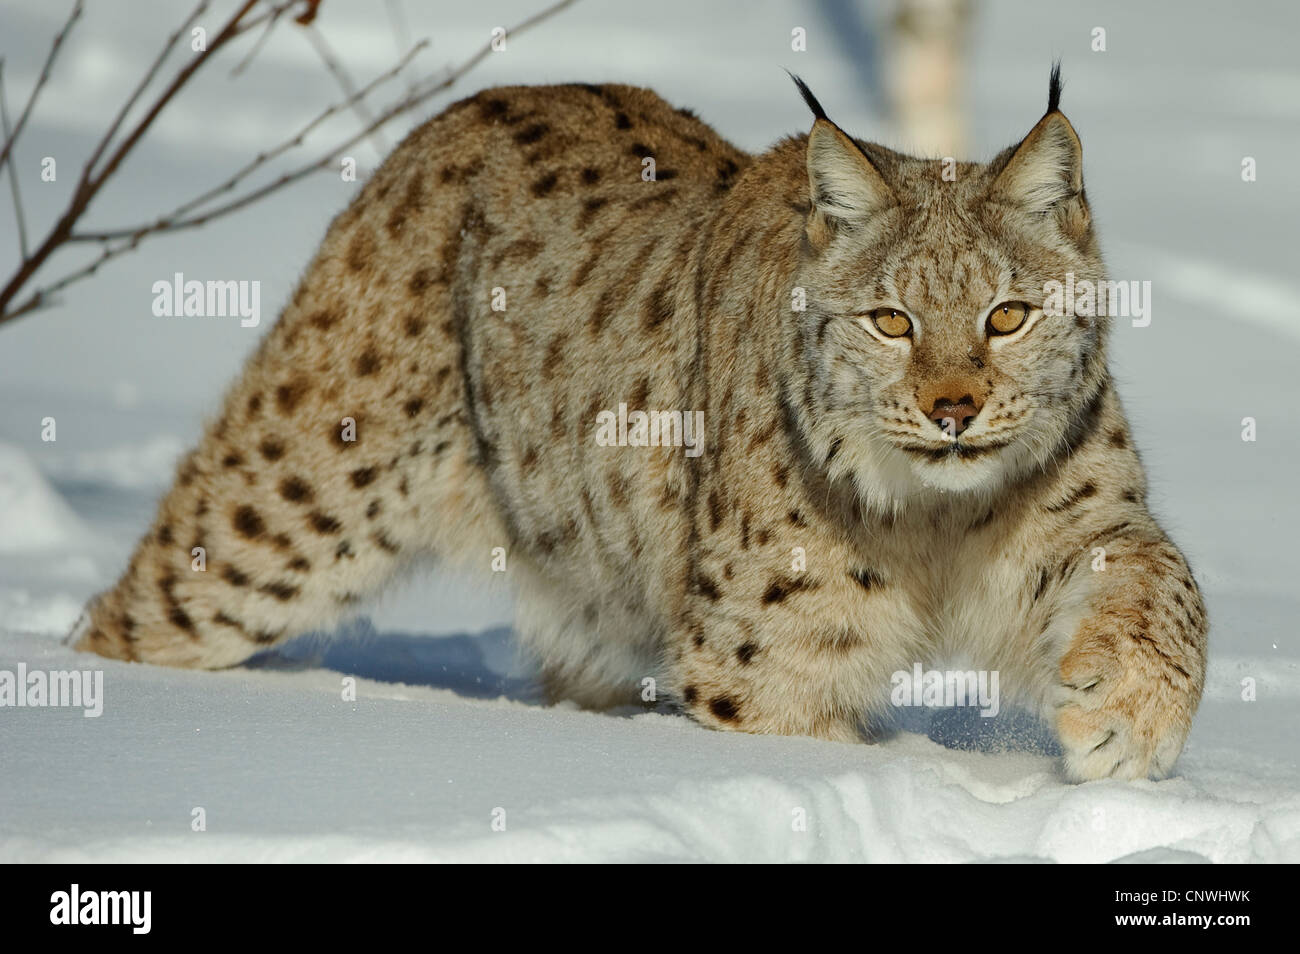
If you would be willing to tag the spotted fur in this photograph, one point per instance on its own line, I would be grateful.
(474, 429)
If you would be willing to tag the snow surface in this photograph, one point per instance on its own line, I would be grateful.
(447, 728)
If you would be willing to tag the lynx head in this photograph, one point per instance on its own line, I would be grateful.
(929, 362)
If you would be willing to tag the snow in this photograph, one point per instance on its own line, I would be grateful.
(287, 771)
(447, 730)
(36, 518)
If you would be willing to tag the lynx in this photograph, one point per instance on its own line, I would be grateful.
(902, 456)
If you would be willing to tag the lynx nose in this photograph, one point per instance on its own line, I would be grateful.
(953, 417)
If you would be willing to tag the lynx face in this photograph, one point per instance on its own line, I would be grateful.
(925, 337)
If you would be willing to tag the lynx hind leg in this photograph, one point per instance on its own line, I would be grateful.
(341, 453)
(590, 651)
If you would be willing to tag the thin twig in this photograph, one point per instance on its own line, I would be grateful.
(119, 241)
(271, 17)
(89, 184)
(43, 297)
(486, 49)
(59, 37)
(401, 29)
(403, 105)
(9, 163)
(256, 48)
(332, 64)
(274, 12)
(131, 100)
(165, 222)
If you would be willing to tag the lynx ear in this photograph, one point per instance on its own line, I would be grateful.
(1046, 168)
(842, 182)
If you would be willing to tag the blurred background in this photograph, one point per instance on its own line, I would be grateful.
(1168, 98)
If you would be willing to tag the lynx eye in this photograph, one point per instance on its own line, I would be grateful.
(891, 322)
(1007, 317)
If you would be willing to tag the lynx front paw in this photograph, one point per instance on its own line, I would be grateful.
(1122, 717)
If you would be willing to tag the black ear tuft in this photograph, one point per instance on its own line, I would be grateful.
(1053, 88)
(808, 97)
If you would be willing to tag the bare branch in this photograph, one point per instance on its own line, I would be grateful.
(9, 162)
(332, 64)
(43, 298)
(89, 184)
(11, 138)
(273, 13)
(256, 48)
(271, 17)
(169, 220)
(418, 96)
(148, 78)
(401, 29)
(117, 242)
(486, 49)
